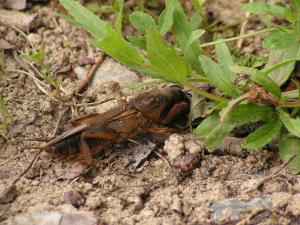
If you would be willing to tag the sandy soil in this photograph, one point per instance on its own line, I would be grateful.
(111, 191)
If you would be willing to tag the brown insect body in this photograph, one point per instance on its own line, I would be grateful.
(151, 111)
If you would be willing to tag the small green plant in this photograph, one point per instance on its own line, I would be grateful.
(260, 97)
(38, 57)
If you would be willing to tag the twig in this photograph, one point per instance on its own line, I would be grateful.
(273, 175)
(95, 103)
(231, 105)
(243, 29)
(90, 74)
(60, 116)
(238, 37)
(37, 82)
(22, 33)
(205, 94)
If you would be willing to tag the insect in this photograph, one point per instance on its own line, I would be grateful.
(156, 111)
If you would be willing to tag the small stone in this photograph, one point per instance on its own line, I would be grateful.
(280, 199)
(80, 72)
(112, 71)
(94, 202)
(194, 146)
(174, 146)
(34, 39)
(85, 60)
(35, 183)
(232, 209)
(74, 198)
(46, 106)
(186, 163)
(294, 205)
(8, 195)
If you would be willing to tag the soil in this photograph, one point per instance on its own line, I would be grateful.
(112, 191)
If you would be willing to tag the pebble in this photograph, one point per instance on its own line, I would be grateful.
(74, 198)
(280, 199)
(231, 209)
(294, 205)
(174, 146)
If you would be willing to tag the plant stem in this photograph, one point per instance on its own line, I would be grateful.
(237, 37)
(205, 94)
(231, 105)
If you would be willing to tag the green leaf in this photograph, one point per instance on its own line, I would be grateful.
(193, 38)
(138, 41)
(196, 20)
(183, 30)
(213, 132)
(207, 125)
(263, 8)
(281, 39)
(281, 75)
(142, 21)
(37, 56)
(119, 5)
(166, 18)
(288, 147)
(86, 19)
(118, 48)
(291, 124)
(263, 135)
(225, 60)
(198, 5)
(216, 137)
(192, 50)
(264, 80)
(164, 59)
(250, 113)
(216, 76)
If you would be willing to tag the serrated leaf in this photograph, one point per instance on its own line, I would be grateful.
(216, 76)
(207, 125)
(119, 4)
(166, 18)
(291, 124)
(86, 19)
(198, 5)
(213, 132)
(184, 31)
(264, 8)
(263, 135)
(164, 59)
(281, 39)
(289, 147)
(281, 75)
(142, 21)
(138, 41)
(250, 113)
(194, 37)
(196, 21)
(225, 60)
(118, 48)
(216, 137)
(264, 80)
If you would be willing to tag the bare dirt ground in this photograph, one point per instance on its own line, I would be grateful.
(219, 191)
